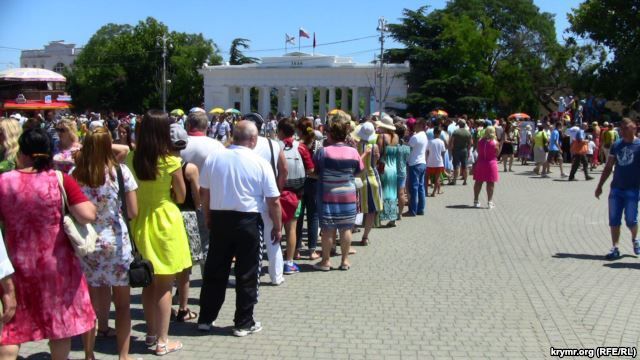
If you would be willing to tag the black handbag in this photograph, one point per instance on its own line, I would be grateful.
(140, 270)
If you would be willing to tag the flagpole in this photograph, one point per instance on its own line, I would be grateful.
(286, 42)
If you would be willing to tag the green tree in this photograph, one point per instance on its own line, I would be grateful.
(479, 56)
(120, 68)
(236, 57)
(614, 24)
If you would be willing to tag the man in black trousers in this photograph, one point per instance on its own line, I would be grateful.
(236, 185)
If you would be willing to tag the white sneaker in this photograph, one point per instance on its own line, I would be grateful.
(491, 205)
(476, 204)
(206, 327)
(257, 327)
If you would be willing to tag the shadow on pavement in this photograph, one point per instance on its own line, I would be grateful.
(37, 356)
(464, 206)
(623, 266)
(587, 256)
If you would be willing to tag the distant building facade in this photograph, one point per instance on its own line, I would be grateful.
(55, 56)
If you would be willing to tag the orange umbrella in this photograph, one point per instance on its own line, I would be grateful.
(519, 116)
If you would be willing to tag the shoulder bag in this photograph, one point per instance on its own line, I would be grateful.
(140, 270)
(83, 237)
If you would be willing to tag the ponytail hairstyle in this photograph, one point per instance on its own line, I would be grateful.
(305, 130)
(35, 143)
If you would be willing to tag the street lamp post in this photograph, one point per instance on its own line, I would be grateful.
(382, 28)
(164, 39)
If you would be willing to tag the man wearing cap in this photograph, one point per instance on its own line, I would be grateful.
(233, 217)
(270, 151)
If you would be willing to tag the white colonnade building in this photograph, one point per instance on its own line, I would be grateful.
(299, 79)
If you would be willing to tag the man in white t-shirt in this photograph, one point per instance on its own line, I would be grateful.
(270, 150)
(245, 189)
(435, 160)
(198, 148)
(417, 164)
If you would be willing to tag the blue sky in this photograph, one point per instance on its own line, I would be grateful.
(32, 24)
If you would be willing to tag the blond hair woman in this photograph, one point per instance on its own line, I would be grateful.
(67, 130)
(9, 133)
(486, 168)
(97, 172)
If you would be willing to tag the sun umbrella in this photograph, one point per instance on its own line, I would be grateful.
(31, 74)
(233, 111)
(216, 110)
(519, 116)
(439, 113)
(177, 112)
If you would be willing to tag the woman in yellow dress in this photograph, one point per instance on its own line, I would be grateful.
(159, 231)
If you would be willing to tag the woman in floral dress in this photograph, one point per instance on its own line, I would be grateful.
(106, 268)
(51, 291)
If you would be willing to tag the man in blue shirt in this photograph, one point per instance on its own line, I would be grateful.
(555, 150)
(625, 186)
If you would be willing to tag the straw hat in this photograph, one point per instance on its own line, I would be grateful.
(386, 123)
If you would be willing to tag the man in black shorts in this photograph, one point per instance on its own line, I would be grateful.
(459, 148)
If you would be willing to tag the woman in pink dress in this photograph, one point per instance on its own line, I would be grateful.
(51, 291)
(486, 167)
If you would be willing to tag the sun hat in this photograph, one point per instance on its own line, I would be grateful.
(386, 122)
(366, 131)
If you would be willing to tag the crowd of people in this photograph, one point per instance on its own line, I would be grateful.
(218, 193)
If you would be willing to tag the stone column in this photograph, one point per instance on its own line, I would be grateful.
(344, 99)
(265, 101)
(245, 106)
(367, 103)
(280, 100)
(286, 97)
(309, 108)
(332, 98)
(322, 103)
(300, 101)
(355, 103)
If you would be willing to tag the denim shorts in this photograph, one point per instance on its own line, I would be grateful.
(623, 200)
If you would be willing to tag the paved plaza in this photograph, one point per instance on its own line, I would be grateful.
(458, 283)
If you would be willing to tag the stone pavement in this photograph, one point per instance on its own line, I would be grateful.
(457, 283)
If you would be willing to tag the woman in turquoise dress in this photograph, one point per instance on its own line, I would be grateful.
(388, 144)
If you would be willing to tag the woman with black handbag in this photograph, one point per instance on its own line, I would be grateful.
(106, 269)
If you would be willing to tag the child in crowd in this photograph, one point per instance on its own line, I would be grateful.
(591, 150)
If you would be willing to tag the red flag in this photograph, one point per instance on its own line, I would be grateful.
(314, 39)
(303, 33)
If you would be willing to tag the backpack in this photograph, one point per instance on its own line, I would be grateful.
(295, 167)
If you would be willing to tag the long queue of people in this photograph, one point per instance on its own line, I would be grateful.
(191, 200)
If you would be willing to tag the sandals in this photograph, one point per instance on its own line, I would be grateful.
(164, 349)
(345, 267)
(109, 333)
(186, 315)
(364, 241)
(320, 267)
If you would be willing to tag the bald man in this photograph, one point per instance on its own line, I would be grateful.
(236, 186)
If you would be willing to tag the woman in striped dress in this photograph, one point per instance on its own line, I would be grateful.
(336, 166)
